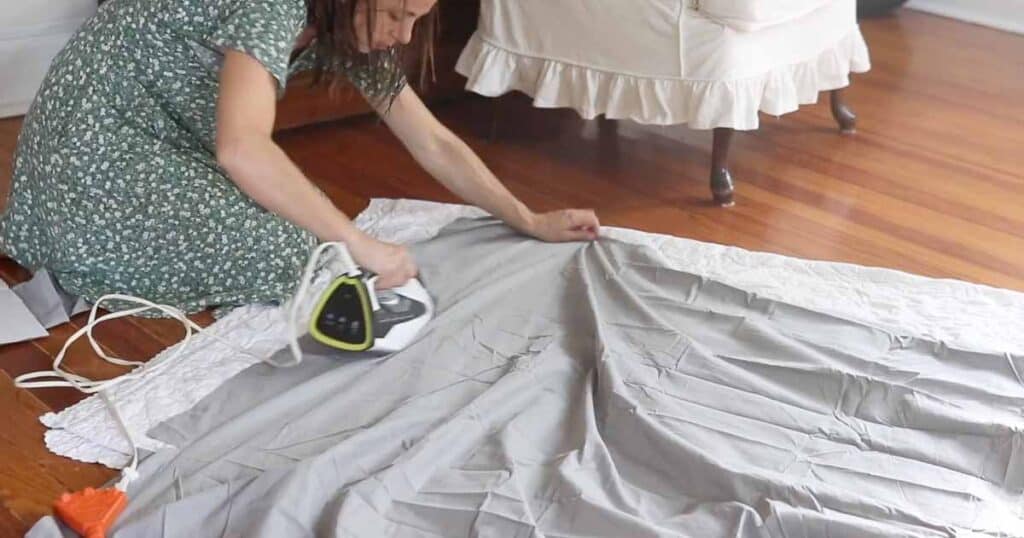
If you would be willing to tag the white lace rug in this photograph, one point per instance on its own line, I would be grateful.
(959, 314)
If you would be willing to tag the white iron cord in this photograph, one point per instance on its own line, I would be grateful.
(63, 378)
(342, 264)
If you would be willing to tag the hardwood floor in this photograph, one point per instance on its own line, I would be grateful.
(933, 183)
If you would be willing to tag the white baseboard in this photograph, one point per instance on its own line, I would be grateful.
(1002, 14)
(9, 109)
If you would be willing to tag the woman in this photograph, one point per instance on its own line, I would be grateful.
(146, 164)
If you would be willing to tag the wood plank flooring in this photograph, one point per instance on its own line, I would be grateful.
(933, 183)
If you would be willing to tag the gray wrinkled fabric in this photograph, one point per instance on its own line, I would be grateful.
(571, 390)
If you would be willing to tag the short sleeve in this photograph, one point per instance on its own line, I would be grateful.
(377, 82)
(265, 30)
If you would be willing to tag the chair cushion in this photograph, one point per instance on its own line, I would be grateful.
(752, 15)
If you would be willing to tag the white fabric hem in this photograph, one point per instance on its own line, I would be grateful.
(702, 104)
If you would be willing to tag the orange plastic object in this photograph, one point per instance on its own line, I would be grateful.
(91, 512)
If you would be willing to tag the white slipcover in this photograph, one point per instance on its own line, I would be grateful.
(752, 15)
(665, 61)
(31, 34)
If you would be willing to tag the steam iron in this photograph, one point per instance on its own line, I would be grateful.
(352, 315)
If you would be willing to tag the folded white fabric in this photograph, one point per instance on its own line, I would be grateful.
(753, 15)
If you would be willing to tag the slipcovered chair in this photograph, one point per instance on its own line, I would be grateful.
(711, 64)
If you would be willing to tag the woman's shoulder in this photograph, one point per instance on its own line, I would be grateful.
(277, 8)
(202, 14)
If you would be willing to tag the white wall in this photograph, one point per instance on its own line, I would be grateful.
(31, 34)
(1003, 14)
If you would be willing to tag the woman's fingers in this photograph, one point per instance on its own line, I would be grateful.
(583, 219)
(399, 275)
(567, 225)
(393, 264)
(583, 224)
(581, 234)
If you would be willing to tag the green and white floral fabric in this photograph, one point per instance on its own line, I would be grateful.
(116, 184)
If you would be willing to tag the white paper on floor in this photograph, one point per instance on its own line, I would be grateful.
(954, 312)
(50, 304)
(18, 322)
(34, 306)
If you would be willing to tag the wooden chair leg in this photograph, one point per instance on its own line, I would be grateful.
(721, 179)
(606, 128)
(844, 116)
(496, 113)
(608, 138)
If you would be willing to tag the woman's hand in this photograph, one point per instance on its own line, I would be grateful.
(458, 168)
(392, 263)
(565, 225)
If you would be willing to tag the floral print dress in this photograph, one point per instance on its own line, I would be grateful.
(116, 183)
